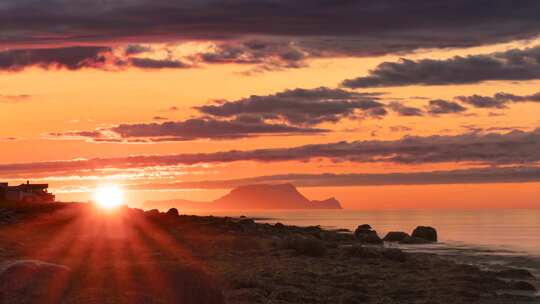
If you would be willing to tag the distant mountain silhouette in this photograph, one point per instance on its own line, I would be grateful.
(252, 197)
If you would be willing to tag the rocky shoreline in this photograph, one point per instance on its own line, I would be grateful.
(209, 259)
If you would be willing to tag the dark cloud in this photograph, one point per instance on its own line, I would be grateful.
(404, 110)
(440, 106)
(498, 101)
(466, 176)
(267, 55)
(339, 27)
(510, 65)
(136, 49)
(79, 57)
(206, 128)
(149, 63)
(159, 118)
(482, 101)
(72, 58)
(516, 147)
(299, 106)
(191, 129)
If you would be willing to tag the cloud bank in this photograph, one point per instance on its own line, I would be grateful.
(298, 106)
(289, 30)
(512, 148)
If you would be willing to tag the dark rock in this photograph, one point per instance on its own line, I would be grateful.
(364, 227)
(414, 240)
(370, 238)
(425, 232)
(313, 229)
(522, 286)
(173, 212)
(394, 254)
(279, 225)
(395, 236)
(153, 212)
(365, 234)
(24, 281)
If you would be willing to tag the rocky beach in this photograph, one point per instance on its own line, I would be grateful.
(73, 253)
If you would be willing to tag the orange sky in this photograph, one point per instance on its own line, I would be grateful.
(89, 99)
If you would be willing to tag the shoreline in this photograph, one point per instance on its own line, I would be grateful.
(239, 261)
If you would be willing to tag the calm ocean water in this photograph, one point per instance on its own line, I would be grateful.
(497, 230)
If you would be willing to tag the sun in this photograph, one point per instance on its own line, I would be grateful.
(109, 196)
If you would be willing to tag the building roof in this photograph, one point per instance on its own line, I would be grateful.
(33, 186)
(26, 186)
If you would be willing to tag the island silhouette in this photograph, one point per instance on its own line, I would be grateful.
(252, 197)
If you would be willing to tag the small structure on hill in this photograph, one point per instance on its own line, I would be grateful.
(27, 193)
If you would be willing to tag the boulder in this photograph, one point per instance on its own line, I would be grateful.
(426, 233)
(365, 234)
(370, 238)
(153, 212)
(279, 225)
(173, 212)
(364, 227)
(24, 281)
(414, 240)
(395, 236)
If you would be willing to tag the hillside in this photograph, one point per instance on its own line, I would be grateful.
(252, 197)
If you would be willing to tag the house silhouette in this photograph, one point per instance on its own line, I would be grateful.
(28, 193)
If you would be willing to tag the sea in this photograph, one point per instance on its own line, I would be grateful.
(504, 230)
(492, 239)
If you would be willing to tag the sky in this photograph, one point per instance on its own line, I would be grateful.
(382, 104)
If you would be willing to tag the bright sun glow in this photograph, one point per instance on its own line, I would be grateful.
(109, 196)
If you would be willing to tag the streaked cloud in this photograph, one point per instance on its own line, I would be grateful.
(191, 129)
(498, 101)
(440, 106)
(512, 148)
(465, 176)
